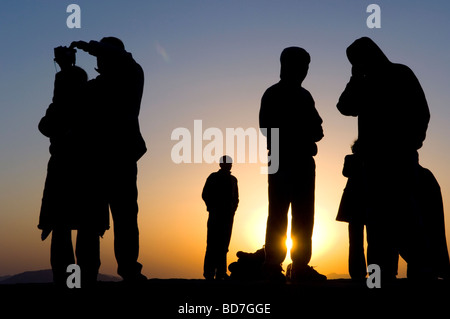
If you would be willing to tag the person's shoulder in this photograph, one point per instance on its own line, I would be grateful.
(402, 69)
(273, 88)
(72, 73)
(305, 92)
(213, 175)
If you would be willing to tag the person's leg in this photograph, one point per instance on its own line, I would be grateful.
(303, 215)
(381, 250)
(210, 263)
(88, 255)
(225, 243)
(275, 246)
(122, 196)
(384, 203)
(303, 222)
(356, 257)
(61, 254)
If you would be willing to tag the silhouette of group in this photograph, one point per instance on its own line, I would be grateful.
(95, 143)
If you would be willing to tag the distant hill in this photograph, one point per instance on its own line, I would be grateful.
(43, 276)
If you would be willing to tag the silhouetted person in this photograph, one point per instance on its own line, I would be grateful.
(393, 117)
(351, 210)
(113, 101)
(427, 193)
(221, 197)
(68, 201)
(289, 107)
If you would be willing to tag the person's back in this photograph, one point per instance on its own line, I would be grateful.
(392, 110)
(114, 99)
(393, 117)
(221, 197)
(220, 192)
(60, 120)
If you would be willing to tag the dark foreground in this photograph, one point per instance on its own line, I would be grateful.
(181, 298)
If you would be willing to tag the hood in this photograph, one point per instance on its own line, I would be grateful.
(366, 52)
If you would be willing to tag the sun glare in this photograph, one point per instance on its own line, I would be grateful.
(324, 235)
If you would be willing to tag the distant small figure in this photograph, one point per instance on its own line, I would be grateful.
(351, 210)
(221, 197)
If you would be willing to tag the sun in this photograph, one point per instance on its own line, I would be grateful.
(324, 233)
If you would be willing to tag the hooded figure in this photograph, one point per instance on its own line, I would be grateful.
(289, 107)
(393, 117)
(392, 110)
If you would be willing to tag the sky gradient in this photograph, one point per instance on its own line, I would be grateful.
(209, 61)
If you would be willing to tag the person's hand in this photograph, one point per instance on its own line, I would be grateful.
(358, 72)
(80, 45)
(45, 233)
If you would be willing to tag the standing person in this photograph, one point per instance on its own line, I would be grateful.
(68, 201)
(393, 117)
(290, 108)
(221, 197)
(113, 135)
(351, 210)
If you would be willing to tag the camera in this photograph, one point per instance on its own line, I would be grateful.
(64, 55)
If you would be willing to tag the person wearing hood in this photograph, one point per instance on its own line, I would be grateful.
(290, 108)
(393, 117)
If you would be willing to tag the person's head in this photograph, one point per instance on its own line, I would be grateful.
(105, 63)
(294, 64)
(366, 55)
(226, 162)
(355, 147)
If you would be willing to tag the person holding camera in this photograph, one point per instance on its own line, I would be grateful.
(113, 139)
(68, 202)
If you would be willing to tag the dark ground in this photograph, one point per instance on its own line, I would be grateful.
(165, 298)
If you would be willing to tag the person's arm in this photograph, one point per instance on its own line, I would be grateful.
(206, 193)
(317, 130)
(352, 98)
(96, 48)
(235, 195)
(264, 117)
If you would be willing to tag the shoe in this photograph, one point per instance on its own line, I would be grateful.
(222, 277)
(136, 279)
(273, 273)
(306, 273)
